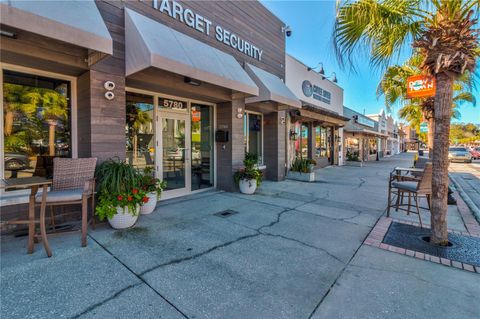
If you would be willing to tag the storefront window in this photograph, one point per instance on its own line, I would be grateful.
(323, 142)
(202, 146)
(352, 149)
(372, 146)
(140, 133)
(37, 123)
(301, 144)
(253, 136)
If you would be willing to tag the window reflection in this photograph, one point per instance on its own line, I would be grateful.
(252, 127)
(202, 150)
(139, 129)
(37, 126)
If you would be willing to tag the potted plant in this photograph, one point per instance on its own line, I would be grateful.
(302, 170)
(249, 178)
(353, 158)
(153, 188)
(120, 196)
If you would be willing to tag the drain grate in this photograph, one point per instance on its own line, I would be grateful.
(226, 213)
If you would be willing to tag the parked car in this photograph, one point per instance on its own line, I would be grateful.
(459, 154)
(16, 161)
(475, 153)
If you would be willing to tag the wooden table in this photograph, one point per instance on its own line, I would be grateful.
(33, 183)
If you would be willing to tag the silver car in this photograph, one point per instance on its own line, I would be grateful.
(459, 154)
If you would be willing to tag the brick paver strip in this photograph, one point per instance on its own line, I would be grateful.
(379, 231)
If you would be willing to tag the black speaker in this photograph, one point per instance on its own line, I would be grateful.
(221, 136)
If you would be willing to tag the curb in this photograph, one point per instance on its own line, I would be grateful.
(475, 210)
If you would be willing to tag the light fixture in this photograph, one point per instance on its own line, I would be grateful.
(320, 66)
(8, 34)
(332, 78)
(191, 81)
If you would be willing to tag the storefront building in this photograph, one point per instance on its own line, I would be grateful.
(314, 131)
(182, 87)
(362, 140)
(381, 127)
(393, 144)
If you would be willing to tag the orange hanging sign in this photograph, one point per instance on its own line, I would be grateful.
(196, 116)
(420, 86)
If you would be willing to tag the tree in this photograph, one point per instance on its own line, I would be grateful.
(393, 87)
(136, 119)
(54, 108)
(443, 33)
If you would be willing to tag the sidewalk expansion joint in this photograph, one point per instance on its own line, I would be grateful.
(115, 295)
(139, 277)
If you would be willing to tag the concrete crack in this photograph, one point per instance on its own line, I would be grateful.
(305, 244)
(179, 260)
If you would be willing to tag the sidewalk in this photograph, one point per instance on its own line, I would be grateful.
(294, 250)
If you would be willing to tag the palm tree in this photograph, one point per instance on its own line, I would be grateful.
(136, 119)
(443, 33)
(393, 87)
(19, 101)
(54, 109)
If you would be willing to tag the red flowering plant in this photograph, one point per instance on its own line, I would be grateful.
(150, 184)
(118, 186)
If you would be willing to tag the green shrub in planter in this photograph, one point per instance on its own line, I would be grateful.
(302, 165)
(250, 172)
(150, 184)
(118, 186)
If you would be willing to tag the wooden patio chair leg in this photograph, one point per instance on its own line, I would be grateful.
(399, 193)
(93, 211)
(409, 202)
(418, 210)
(389, 200)
(84, 220)
(43, 228)
(52, 218)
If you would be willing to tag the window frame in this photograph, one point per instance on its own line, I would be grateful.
(73, 106)
(246, 123)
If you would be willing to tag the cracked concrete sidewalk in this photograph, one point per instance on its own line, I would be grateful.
(292, 251)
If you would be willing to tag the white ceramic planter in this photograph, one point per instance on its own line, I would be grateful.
(123, 218)
(303, 177)
(248, 186)
(149, 206)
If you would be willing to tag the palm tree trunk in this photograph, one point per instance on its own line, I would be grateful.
(51, 137)
(431, 134)
(8, 123)
(442, 111)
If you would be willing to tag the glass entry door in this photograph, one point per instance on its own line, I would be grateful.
(174, 147)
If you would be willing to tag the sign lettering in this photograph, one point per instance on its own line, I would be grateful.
(198, 22)
(316, 92)
(419, 86)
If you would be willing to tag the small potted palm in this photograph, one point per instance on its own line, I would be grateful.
(153, 188)
(302, 169)
(249, 178)
(120, 196)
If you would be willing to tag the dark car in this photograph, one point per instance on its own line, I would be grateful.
(16, 161)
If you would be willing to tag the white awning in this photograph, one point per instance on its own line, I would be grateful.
(271, 87)
(77, 21)
(149, 43)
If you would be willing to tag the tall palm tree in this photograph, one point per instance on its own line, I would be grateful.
(54, 109)
(136, 120)
(393, 87)
(19, 101)
(443, 32)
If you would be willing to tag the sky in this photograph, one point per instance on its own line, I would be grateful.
(311, 42)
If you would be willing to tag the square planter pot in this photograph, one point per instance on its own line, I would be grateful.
(303, 177)
(354, 163)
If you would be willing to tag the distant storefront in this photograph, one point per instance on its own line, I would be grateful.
(362, 141)
(315, 130)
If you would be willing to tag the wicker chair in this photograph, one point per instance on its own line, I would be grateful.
(413, 188)
(73, 183)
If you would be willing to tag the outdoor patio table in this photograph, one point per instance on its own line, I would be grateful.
(33, 183)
